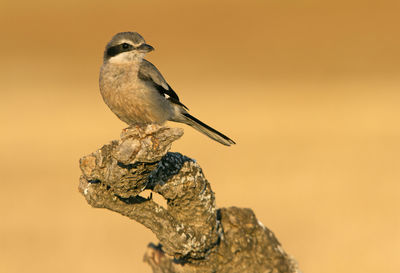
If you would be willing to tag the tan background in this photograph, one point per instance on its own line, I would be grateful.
(309, 90)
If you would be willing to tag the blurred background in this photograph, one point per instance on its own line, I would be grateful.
(308, 89)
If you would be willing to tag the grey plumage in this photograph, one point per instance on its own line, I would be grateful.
(137, 93)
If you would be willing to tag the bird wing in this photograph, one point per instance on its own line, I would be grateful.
(149, 73)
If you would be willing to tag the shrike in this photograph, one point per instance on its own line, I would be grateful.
(137, 93)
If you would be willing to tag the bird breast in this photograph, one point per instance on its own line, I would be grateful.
(134, 101)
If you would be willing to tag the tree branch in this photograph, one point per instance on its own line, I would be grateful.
(194, 235)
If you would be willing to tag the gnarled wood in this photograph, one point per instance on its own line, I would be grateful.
(194, 235)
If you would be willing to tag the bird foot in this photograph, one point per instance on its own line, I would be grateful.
(155, 142)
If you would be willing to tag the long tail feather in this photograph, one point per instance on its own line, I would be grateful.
(207, 130)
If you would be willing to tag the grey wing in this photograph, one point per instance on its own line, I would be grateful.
(149, 73)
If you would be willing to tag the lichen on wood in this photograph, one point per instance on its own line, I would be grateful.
(194, 235)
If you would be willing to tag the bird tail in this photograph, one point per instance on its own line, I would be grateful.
(207, 130)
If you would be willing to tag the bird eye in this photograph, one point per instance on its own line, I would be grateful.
(125, 46)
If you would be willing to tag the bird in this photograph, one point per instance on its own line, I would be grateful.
(136, 92)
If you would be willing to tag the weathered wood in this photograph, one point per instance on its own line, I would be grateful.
(194, 235)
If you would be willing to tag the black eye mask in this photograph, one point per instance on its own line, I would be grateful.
(115, 50)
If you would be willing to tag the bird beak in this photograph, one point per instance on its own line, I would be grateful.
(145, 48)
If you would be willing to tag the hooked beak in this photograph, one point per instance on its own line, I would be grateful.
(145, 48)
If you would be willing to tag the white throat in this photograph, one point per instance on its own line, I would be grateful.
(127, 57)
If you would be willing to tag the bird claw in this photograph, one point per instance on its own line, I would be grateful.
(155, 142)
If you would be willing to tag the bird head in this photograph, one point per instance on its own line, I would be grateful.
(125, 47)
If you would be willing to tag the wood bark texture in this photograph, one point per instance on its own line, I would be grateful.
(194, 235)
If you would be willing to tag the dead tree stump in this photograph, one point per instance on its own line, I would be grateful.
(194, 235)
